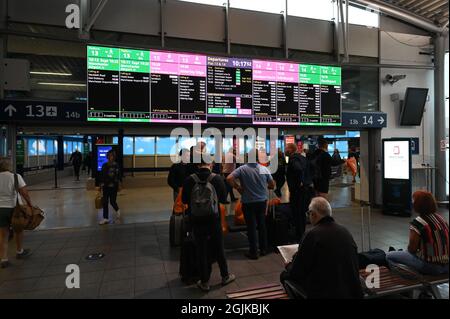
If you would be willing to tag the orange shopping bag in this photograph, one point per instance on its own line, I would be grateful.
(239, 214)
(352, 165)
(178, 206)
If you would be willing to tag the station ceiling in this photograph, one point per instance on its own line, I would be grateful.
(435, 11)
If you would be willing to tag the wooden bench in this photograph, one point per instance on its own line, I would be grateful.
(271, 291)
(391, 283)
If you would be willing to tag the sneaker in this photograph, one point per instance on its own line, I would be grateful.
(249, 255)
(24, 254)
(104, 221)
(118, 216)
(5, 264)
(203, 286)
(228, 279)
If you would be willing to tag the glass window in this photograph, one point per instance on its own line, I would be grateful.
(50, 145)
(69, 147)
(353, 133)
(32, 147)
(144, 145)
(362, 16)
(128, 145)
(317, 9)
(115, 140)
(342, 146)
(272, 6)
(211, 2)
(41, 147)
(166, 145)
(360, 89)
(227, 144)
(187, 143)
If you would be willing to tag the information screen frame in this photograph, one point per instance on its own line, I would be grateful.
(136, 59)
(403, 168)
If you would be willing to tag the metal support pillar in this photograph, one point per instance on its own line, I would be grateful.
(227, 27)
(439, 118)
(162, 22)
(285, 30)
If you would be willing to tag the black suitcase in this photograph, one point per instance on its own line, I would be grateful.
(278, 225)
(188, 260)
(176, 229)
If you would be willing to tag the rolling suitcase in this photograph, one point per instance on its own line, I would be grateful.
(277, 222)
(176, 229)
(188, 260)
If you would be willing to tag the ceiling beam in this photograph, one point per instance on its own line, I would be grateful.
(402, 14)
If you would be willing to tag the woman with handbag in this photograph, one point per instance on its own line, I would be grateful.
(8, 201)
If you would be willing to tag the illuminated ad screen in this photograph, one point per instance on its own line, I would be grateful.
(101, 155)
(396, 159)
(128, 85)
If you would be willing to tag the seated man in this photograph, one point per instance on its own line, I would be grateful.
(326, 265)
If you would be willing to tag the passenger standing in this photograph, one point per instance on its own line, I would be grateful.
(207, 229)
(299, 182)
(354, 154)
(254, 180)
(228, 166)
(110, 184)
(8, 199)
(77, 159)
(177, 173)
(321, 162)
(87, 163)
(280, 175)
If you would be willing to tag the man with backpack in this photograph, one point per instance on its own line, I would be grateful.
(299, 180)
(202, 192)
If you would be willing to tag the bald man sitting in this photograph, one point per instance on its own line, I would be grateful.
(326, 265)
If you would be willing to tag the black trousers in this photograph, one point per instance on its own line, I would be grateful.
(300, 200)
(280, 179)
(76, 169)
(109, 196)
(209, 242)
(255, 218)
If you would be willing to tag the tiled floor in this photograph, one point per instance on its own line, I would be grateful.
(71, 205)
(139, 263)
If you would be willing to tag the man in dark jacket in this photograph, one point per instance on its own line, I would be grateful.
(178, 173)
(77, 159)
(326, 265)
(300, 191)
(321, 162)
(208, 234)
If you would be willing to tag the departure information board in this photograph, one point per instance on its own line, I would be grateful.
(128, 85)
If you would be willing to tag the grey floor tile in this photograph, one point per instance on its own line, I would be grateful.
(90, 291)
(119, 274)
(159, 293)
(150, 270)
(54, 293)
(57, 281)
(15, 286)
(149, 283)
(118, 287)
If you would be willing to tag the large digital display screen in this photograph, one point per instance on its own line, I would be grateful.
(396, 159)
(102, 150)
(128, 85)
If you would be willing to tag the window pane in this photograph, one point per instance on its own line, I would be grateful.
(211, 2)
(144, 145)
(317, 9)
(128, 145)
(342, 146)
(362, 16)
(187, 142)
(166, 145)
(41, 148)
(69, 147)
(32, 147)
(273, 6)
(115, 140)
(353, 133)
(360, 89)
(227, 144)
(50, 144)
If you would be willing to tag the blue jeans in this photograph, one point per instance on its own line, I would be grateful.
(255, 218)
(414, 262)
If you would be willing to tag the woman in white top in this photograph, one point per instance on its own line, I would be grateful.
(8, 198)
